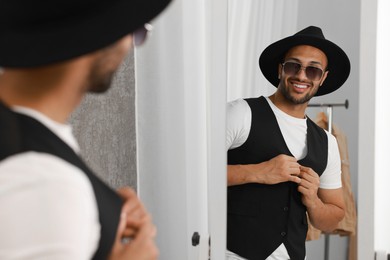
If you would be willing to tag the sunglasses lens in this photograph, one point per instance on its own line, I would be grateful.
(291, 68)
(139, 36)
(313, 73)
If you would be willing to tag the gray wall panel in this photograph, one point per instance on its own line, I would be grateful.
(105, 128)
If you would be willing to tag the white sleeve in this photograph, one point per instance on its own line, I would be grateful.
(48, 209)
(331, 177)
(238, 123)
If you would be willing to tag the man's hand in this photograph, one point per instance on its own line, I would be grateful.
(136, 232)
(281, 168)
(324, 206)
(308, 187)
(134, 209)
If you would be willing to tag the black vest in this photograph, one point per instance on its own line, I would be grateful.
(20, 133)
(261, 217)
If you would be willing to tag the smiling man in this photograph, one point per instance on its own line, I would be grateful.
(281, 165)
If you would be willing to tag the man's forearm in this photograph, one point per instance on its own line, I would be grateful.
(325, 215)
(281, 168)
(242, 174)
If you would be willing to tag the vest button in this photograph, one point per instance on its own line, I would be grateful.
(283, 233)
(285, 208)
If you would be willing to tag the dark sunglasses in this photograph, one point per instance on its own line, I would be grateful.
(312, 73)
(139, 35)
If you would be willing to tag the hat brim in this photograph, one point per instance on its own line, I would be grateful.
(94, 29)
(338, 63)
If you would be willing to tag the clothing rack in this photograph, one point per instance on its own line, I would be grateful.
(329, 111)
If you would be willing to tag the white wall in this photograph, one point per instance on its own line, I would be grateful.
(159, 133)
(216, 51)
(366, 129)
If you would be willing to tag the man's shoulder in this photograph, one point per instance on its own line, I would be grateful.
(237, 106)
(243, 103)
(43, 165)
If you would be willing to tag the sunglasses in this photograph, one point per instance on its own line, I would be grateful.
(312, 73)
(139, 35)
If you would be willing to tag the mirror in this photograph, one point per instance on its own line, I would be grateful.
(253, 25)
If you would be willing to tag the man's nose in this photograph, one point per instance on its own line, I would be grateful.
(301, 74)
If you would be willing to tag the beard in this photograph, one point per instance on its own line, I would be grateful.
(106, 64)
(297, 101)
(100, 81)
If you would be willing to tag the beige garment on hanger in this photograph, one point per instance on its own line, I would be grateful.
(347, 226)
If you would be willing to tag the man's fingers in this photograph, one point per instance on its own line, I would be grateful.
(134, 225)
(130, 198)
(287, 157)
(126, 192)
(295, 179)
(309, 175)
(148, 230)
(144, 241)
(120, 230)
(132, 205)
(306, 169)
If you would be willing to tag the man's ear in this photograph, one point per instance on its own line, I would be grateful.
(324, 77)
(279, 70)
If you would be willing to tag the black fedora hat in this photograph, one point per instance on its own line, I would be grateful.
(35, 33)
(339, 66)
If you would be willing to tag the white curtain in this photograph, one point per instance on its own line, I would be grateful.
(252, 26)
(181, 97)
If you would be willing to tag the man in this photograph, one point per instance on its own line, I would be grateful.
(52, 206)
(281, 165)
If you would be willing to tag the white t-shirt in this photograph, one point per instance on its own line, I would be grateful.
(294, 131)
(47, 206)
